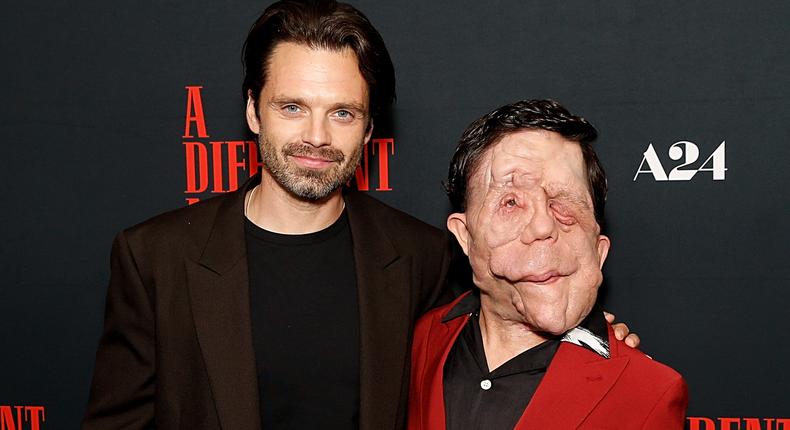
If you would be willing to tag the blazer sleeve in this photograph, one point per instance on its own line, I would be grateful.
(123, 386)
(669, 413)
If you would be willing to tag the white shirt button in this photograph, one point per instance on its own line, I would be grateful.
(485, 384)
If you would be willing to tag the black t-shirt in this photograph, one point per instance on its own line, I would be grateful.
(305, 326)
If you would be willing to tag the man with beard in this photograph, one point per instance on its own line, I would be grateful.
(527, 349)
(288, 303)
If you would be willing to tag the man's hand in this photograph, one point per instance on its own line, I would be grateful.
(621, 331)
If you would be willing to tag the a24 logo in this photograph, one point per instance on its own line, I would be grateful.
(689, 152)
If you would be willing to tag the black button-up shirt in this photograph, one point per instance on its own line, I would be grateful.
(477, 398)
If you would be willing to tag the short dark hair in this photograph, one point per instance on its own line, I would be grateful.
(320, 24)
(549, 115)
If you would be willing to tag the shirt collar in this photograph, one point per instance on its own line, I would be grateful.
(591, 333)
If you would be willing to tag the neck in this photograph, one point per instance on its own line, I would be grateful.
(503, 336)
(272, 208)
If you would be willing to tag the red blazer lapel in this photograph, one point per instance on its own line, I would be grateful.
(427, 411)
(575, 382)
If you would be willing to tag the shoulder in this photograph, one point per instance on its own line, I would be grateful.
(436, 315)
(433, 335)
(363, 202)
(645, 393)
(183, 228)
(656, 394)
(400, 226)
(184, 218)
(644, 365)
(649, 377)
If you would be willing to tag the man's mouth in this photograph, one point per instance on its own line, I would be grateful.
(543, 278)
(313, 158)
(311, 162)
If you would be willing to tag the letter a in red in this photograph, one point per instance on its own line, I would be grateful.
(195, 113)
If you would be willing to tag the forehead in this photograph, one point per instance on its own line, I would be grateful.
(531, 158)
(308, 72)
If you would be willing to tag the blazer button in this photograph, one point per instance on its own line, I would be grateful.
(485, 384)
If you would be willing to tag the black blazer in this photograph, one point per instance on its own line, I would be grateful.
(176, 350)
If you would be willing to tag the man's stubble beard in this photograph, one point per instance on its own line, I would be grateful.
(308, 184)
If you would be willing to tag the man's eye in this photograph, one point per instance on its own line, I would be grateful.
(566, 220)
(509, 203)
(344, 115)
(562, 216)
(291, 108)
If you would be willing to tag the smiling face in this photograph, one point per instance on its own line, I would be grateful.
(530, 232)
(312, 119)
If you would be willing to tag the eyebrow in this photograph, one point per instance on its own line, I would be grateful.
(566, 194)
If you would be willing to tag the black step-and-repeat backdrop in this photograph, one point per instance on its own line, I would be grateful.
(115, 111)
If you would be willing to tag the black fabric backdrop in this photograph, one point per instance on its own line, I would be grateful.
(93, 116)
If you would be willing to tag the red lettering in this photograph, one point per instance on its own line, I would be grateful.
(194, 166)
(234, 164)
(7, 421)
(198, 167)
(32, 415)
(727, 422)
(754, 424)
(252, 158)
(192, 200)
(731, 423)
(384, 170)
(696, 422)
(216, 161)
(362, 174)
(194, 113)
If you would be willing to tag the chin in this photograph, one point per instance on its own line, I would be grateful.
(553, 328)
(550, 321)
(541, 316)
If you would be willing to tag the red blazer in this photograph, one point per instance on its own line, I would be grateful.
(581, 389)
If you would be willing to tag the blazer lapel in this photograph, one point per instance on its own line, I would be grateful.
(219, 298)
(443, 336)
(384, 318)
(576, 380)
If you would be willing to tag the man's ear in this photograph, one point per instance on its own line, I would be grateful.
(603, 249)
(369, 131)
(456, 223)
(253, 122)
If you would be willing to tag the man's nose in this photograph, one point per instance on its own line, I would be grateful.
(316, 132)
(541, 225)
